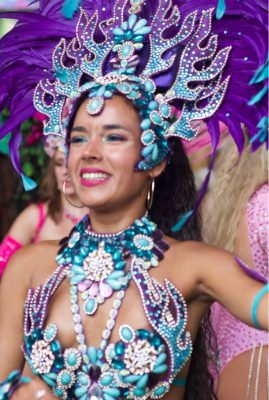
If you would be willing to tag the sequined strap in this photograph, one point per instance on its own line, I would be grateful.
(158, 302)
(36, 305)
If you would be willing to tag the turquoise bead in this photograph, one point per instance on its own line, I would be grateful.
(148, 136)
(114, 392)
(92, 353)
(83, 379)
(143, 333)
(165, 110)
(139, 392)
(153, 105)
(118, 364)
(160, 369)
(147, 150)
(66, 379)
(155, 152)
(120, 265)
(50, 332)
(90, 305)
(77, 278)
(80, 392)
(160, 390)
(116, 285)
(106, 380)
(132, 378)
(142, 383)
(161, 359)
(145, 124)
(149, 86)
(116, 275)
(120, 349)
(55, 346)
(127, 333)
(156, 118)
(72, 359)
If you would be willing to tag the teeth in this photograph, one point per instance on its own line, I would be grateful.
(94, 175)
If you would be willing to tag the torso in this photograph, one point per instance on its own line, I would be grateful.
(131, 312)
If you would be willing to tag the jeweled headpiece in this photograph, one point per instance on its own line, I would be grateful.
(156, 53)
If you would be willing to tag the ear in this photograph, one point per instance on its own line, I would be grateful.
(156, 171)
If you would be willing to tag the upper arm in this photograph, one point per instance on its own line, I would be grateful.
(223, 280)
(13, 291)
(24, 227)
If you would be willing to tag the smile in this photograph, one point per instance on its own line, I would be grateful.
(93, 178)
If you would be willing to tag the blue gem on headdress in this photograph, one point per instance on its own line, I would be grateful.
(95, 105)
(148, 137)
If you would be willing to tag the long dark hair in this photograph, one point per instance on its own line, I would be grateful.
(49, 192)
(175, 194)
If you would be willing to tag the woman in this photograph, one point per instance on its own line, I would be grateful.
(54, 216)
(126, 333)
(242, 361)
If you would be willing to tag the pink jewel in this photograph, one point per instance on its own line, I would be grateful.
(94, 290)
(84, 285)
(105, 289)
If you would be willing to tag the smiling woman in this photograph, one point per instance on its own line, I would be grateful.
(119, 308)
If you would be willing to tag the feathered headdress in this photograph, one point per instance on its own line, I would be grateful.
(157, 53)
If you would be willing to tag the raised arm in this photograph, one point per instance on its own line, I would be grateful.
(222, 279)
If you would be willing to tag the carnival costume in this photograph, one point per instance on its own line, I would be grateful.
(158, 54)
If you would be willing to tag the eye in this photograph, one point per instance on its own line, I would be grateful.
(79, 139)
(114, 137)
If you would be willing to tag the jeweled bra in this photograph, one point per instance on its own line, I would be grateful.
(143, 363)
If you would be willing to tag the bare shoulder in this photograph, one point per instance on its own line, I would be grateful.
(193, 258)
(32, 264)
(24, 227)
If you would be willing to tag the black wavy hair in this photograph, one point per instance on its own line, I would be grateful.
(174, 195)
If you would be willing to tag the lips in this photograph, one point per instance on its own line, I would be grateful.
(93, 177)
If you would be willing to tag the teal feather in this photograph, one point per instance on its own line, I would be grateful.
(257, 97)
(221, 8)
(261, 74)
(70, 7)
(182, 221)
(263, 132)
(28, 183)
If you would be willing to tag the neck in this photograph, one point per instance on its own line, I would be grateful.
(74, 211)
(116, 220)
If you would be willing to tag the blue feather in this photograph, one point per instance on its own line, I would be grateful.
(182, 221)
(70, 7)
(221, 8)
(28, 183)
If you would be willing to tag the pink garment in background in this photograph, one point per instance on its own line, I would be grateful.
(10, 245)
(233, 336)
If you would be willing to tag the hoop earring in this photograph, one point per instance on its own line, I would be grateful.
(150, 194)
(67, 198)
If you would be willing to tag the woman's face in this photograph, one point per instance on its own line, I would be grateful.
(104, 150)
(61, 173)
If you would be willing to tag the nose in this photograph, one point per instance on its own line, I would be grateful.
(93, 150)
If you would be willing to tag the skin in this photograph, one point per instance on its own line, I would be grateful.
(24, 227)
(203, 274)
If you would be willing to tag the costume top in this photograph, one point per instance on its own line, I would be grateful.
(143, 363)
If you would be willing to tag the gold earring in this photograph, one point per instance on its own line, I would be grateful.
(67, 198)
(150, 195)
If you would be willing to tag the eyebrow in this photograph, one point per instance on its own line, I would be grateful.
(106, 127)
